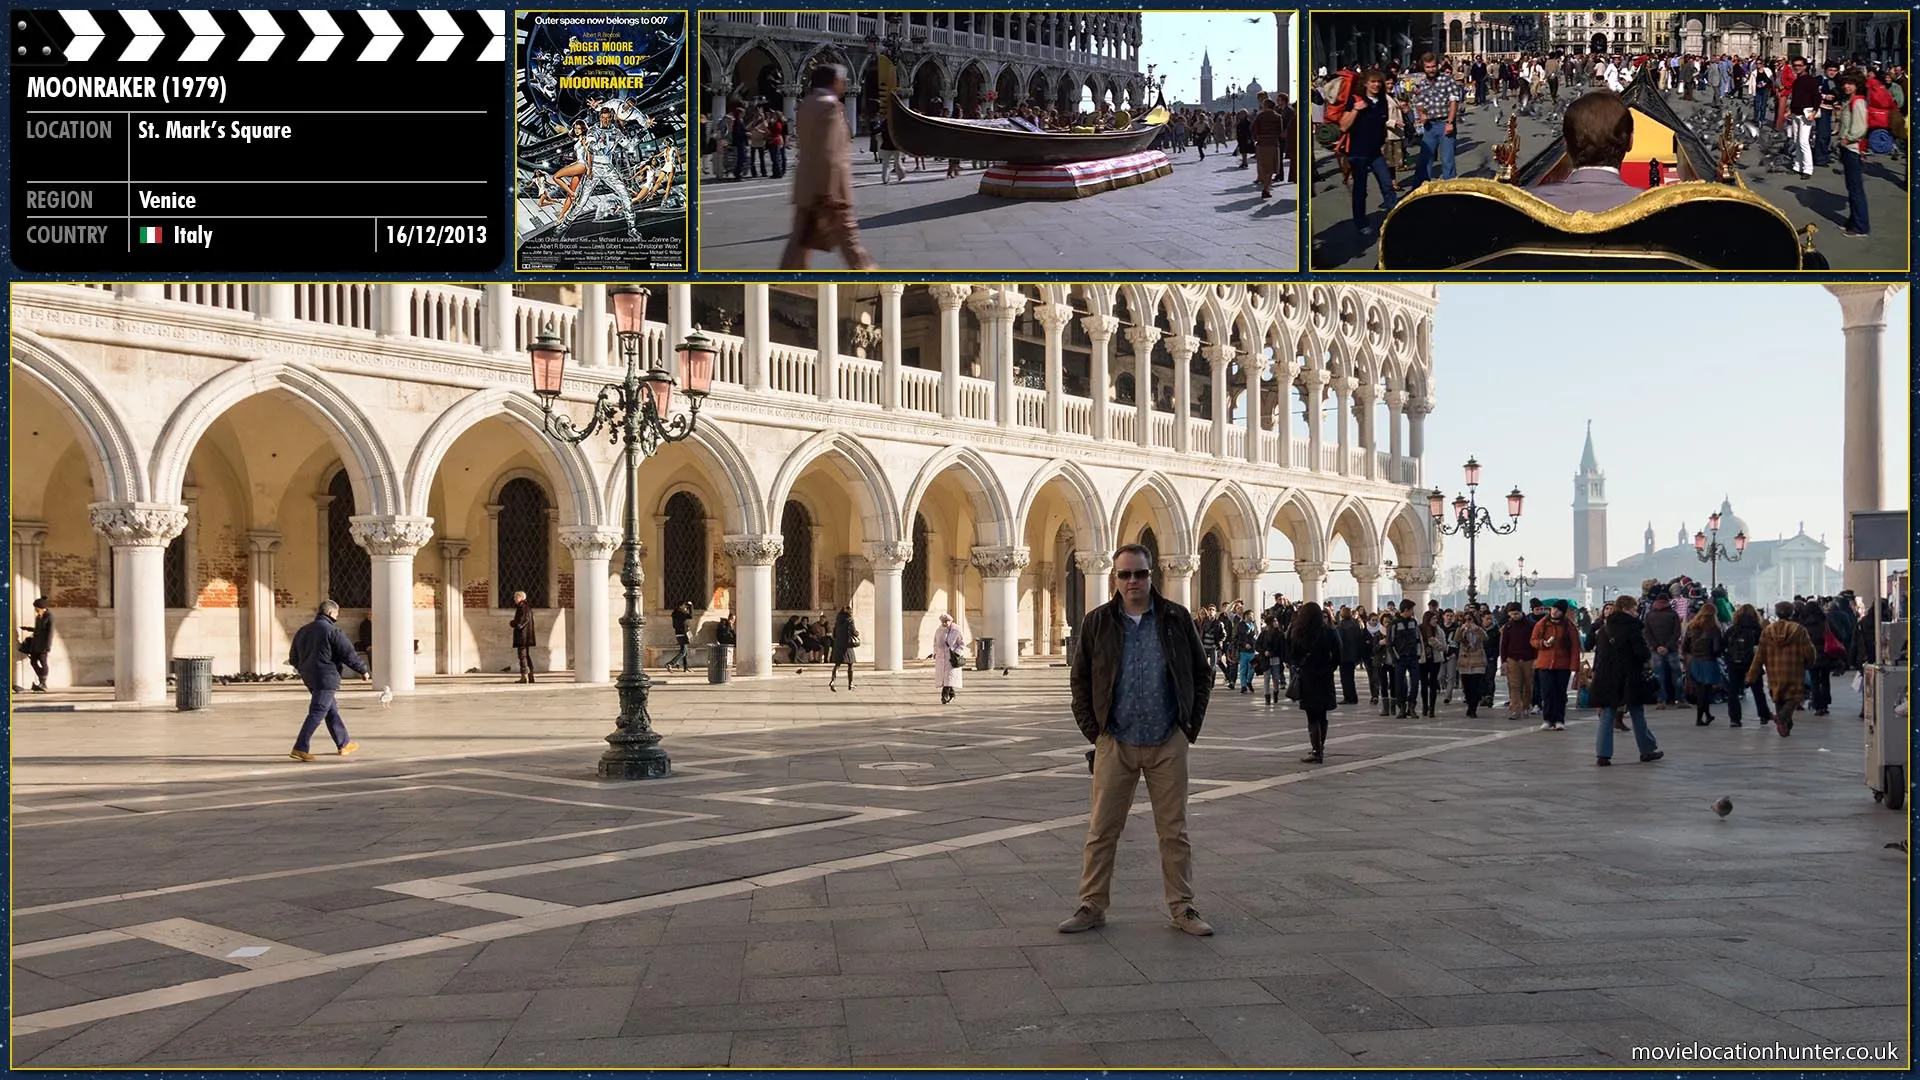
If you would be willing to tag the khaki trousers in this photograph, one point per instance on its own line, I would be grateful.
(1267, 159)
(1519, 685)
(1116, 773)
(848, 231)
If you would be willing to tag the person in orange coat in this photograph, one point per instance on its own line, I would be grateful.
(1556, 655)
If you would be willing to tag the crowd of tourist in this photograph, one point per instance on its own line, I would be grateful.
(1676, 644)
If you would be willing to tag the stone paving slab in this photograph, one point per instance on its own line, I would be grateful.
(1206, 215)
(1386, 910)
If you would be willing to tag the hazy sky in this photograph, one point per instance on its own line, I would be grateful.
(1242, 44)
(1695, 392)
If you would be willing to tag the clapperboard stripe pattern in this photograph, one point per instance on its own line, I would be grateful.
(254, 36)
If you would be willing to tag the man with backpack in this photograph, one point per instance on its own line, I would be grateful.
(1403, 636)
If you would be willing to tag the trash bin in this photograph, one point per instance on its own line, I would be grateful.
(983, 654)
(719, 661)
(192, 682)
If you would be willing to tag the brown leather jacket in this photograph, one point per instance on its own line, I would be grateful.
(1096, 665)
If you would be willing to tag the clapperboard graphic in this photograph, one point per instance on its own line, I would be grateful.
(211, 140)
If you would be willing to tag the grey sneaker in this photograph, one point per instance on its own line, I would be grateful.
(1085, 918)
(1191, 922)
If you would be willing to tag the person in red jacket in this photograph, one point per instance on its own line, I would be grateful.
(1556, 654)
(1516, 655)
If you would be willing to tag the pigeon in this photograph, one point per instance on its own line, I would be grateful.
(386, 697)
(1723, 805)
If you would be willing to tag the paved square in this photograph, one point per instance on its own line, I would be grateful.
(871, 879)
(1820, 201)
(1205, 216)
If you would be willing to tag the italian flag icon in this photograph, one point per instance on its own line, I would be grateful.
(150, 234)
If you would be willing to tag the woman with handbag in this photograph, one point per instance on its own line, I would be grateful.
(1622, 681)
(949, 657)
(1316, 649)
(38, 642)
(846, 638)
(1703, 645)
(1470, 645)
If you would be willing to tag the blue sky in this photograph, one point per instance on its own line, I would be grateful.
(1241, 51)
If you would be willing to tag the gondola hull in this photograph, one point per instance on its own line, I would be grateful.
(1000, 140)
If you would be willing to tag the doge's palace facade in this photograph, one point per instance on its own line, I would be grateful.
(195, 467)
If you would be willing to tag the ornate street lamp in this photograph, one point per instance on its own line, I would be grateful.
(636, 411)
(1521, 582)
(1712, 552)
(1470, 519)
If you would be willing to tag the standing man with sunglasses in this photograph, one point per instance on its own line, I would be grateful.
(1140, 689)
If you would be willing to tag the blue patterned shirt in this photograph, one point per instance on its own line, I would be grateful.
(1433, 96)
(1144, 707)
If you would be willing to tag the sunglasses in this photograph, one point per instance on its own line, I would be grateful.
(1133, 575)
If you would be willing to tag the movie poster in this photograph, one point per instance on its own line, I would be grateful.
(601, 129)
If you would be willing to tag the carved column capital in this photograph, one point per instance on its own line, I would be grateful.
(1365, 574)
(752, 550)
(30, 532)
(1179, 565)
(1182, 346)
(1220, 354)
(1000, 562)
(1396, 400)
(890, 555)
(590, 541)
(1053, 316)
(394, 535)
(263, 541)
(454, 549)
(1093, 562)
(1310, 571)
(950, 297)
(1249, 568)
(996, 305)
(1099, 327)
(129, 524)
(1413, 577)
(1143, 337)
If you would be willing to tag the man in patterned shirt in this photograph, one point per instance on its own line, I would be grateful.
(1436, 105)
(1140, 690)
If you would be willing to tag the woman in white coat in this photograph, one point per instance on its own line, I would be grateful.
(949, 656)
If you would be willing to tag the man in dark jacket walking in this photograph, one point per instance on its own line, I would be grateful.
(39, 642)
(1140, 691)
(320, 650)
(1663, 637)
(1353, 651)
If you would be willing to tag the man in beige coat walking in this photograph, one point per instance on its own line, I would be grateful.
(823, 177)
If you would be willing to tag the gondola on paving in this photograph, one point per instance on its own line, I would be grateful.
(1694, 213)
(1004, 138)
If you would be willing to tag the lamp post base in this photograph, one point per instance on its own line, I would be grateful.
(633, 755)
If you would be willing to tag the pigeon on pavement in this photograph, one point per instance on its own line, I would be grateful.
(1723, 806)
(386, 697)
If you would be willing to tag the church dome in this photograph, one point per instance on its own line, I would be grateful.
(1730, 523)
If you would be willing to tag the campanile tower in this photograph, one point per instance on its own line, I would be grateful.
(1589, 512)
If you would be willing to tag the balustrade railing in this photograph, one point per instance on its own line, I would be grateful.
(791, 370)
(859, 380)
(448, 313)
(976, 398)
(1163, 430)
(1120, 422)
(1030, 407)
(1237, 443)
(228, 297)
(334, 305)
(1076, 416)
(729, 359)
(920, 390)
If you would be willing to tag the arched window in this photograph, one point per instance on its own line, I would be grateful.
(521, 536)
(1152, 544)
(1212, 561)
(793, 571)
(913, 578)
(174, 573)
(349, 571)
(684, 571)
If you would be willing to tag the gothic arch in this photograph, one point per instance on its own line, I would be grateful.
(1361, 536)
(376, 483)
(767, 46)
(1409, 535)
(1090, 518)
(1301, 524)
(114, 458)
(993, 518)
(1172, 525)
(737, 493)
(856, 463)
(569, 474)
(1244, 535)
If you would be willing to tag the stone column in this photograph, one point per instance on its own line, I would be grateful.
(1043, 609)
(139, 533)
(263, 654)
(753, 558)
(757, 340)
(498, 306)
(888, 560)
(1415, 583)
(1182, 348)
(145, 291)
(1343, 406)
(1053, 319)
(1250, 368)
(1000, 603)
(1100, 329)
(1143, 339)
(957, 593)
(273, 303)
(1312, 384)
(1284, 372)
(28, 538)
(1396, 401)
(1246, 579)
(1863, 310)
(890, 345)
(391, 543)
(1221, 356)
(1368, 578)
(1176, 578)
(592, 548)
(826, 372)
(590, 329)
(679, 323)
(390, 315)
(1364, 397)
(720, 93)
(949, 298)
(453, 606)
(1417, 437)
(996, 309)
(1282, 24)
(1312, 576)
